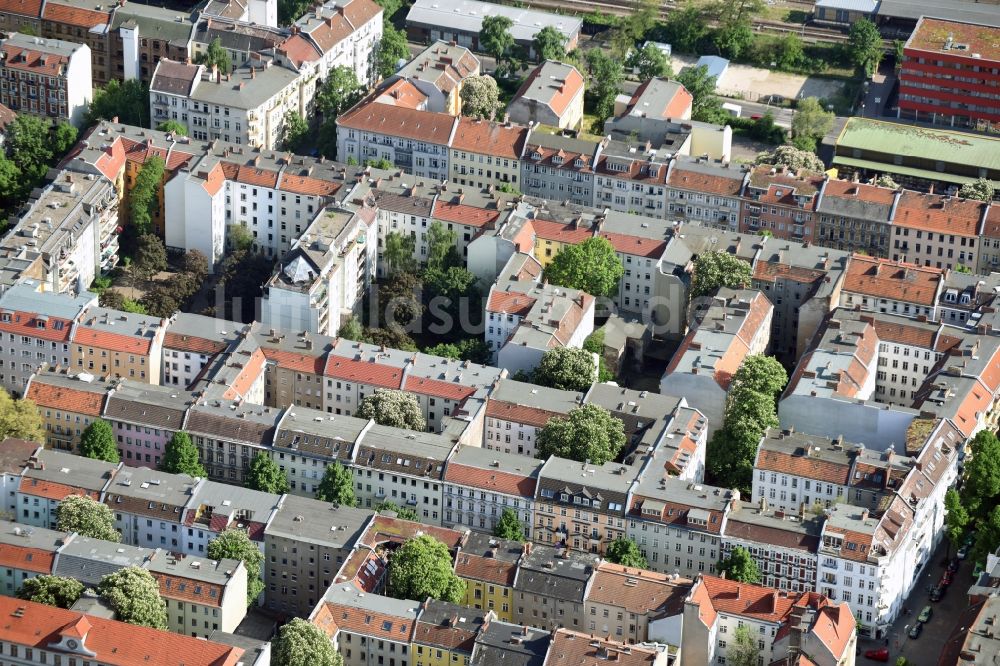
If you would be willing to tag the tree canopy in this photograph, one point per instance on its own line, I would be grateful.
(265, 475)
(301, 643)
(509, 526)
(295, 133)
(402, 512)
(392, 48)
(649, 62)
(174, 127)
(181, 457)
(739, 566)
(339, 92)
(337, 486)
(956, 518)
(495, 37)
(389, 407)
(134, 595)
(864, 46)
(588, 432)
(792, 158)
(35, 145)
(234, 544)
(98, 442)
(144, 195)
(549, 44)
(591, 266)
(480, 97)
(51, 590)
(606, 77)
(981, 189)
(685, 28)
(566, 368)
(744, 650)
(79, 513)
(716, 269)
(216, 55)
(126, 100)
(150, 256)
(20, 419)
(625, 552)
(421, 568)
(398, 253)
(705, 105)
(810, 124)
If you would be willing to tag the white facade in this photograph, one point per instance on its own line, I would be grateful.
(195, 215)
(901, 370)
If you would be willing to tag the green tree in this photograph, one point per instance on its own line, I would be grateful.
(981, 189)
(885, 180)
(235, 544)
(216, 55)
(51, 590)
(339, 92)
(88, 517)
(509, 526)
(739, 566)
(421, 568)
(181, 457)
(126, 100)
(591, 266)
(12, 187)
(649, 62)
(549, 44)
(734, 36)
(761, 374)
(792, 158)
(566, 368)
(685, 28)
(606, 77)
(351, 329)
(20, 419)
(98, 442)
(392, 48)
(402, 512)
(744, 650)
(326, 139)
(716, 269)
(469, 349)
(987, 536)
(389, 407)
(625, 552)
(143, 198)
(150, 256)
(864, 46)
(301, 643)
(495, 38)
(588, 432)
(265, 475)
(956, 519)
(810, 123)
(337, 486)
(480, 97)
(289, 11)
(295, 134)
(789, 52)
(30, 146)
(981, 488)
(160, 300)
(134, 595)
(705, 105)
(174, 127)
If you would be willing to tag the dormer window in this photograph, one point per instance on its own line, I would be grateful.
(557, 159)
(578, 163)
(535, 155)
(564, 497)
(964, 299)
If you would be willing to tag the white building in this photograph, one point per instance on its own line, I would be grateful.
(517, 411)
(51, 78)
(479, 485)
(338, 33)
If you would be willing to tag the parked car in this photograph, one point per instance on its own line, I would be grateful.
(915, 630)
(937, 593)
(945, 580)
(925, 614)
(953, 565)
(880, 654)
(963, 552)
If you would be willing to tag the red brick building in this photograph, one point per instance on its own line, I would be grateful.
(951, 75)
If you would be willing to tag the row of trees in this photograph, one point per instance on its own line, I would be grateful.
(33, 146)
(976, 505)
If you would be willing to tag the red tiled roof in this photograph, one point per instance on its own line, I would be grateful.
(363, 372)
(459, 213)
(254, 176)
(24, 558)
(193, 344)
(491, 479)
(438, 388)
(76, 16)
(487, 569)
(938, 213)
(763, 604)
(526, 414)
(568, 90)
(804, 466)
(397, 121)
(484, 136)
(402, 93)
(116, 342)
(571, 648)
(308, 185)
(769, 271)
(112, 643)
(186, 589)
(26, 323)
(706, 183)
(248, 375)
(298, 362)
(33, 60)
(635, 245)
(563, 232)
(676, 513)
(371, 623)
(65, 398)
(298, 50)
(21, 7)
(847, 189)
(638, 591)
(883, 278)
(510, 302)
(385, 529)
(51, 490)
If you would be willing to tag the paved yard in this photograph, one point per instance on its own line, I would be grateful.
(753, 83)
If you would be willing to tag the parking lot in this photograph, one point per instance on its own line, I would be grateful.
(924, 651)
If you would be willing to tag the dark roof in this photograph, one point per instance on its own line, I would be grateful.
(176, 78)
(230, 428)
(145, 413)
(556, 573)
(505, 644)
(14, 454)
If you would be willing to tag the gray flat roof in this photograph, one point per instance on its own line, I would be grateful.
(467, 16)
(956, 10)
(25, 297)
(71, 470)
(312, 521)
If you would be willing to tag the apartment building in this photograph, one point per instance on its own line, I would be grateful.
(489, 566)
(216, 507)
(202, 596)
(67, 404)
(229, 434)
(67, 233)
(149, 506)
(782, 544)
(552, 94)
(479, 485)
(782, 202)
(51, 633)
(511, 643)
(84, 23)
(118, 344)
(803, 282)
(438, 73)
(367, 628)
(407, 471)
(678, 525)
(965, 296)
(306, 542)
(580, 506)
(635, 605)
(550, 587)
(35, 329)
(855, 217)
(190, 343)
(50, 78)
(470, 213)
(786, 626)
(240, 39)
(337, 34)
(445, 633)
(734, 325)
(574, 647)
(969, 54)
(485, 153)
(705, 192)
(559, 168)
(144, 418)
(307, 441)
(27, 553)
(412, 140)
(989, 243)
(50, 477)
(517, 411)
(937, 230)
(630, 178)
(893, 287)
(246, 107)
(15, 454)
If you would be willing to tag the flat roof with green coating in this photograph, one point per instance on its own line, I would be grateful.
(919, 142)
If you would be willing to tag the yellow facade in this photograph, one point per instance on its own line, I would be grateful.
(481, 170)
(546, 250)
(436, 655)
(489, 597)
